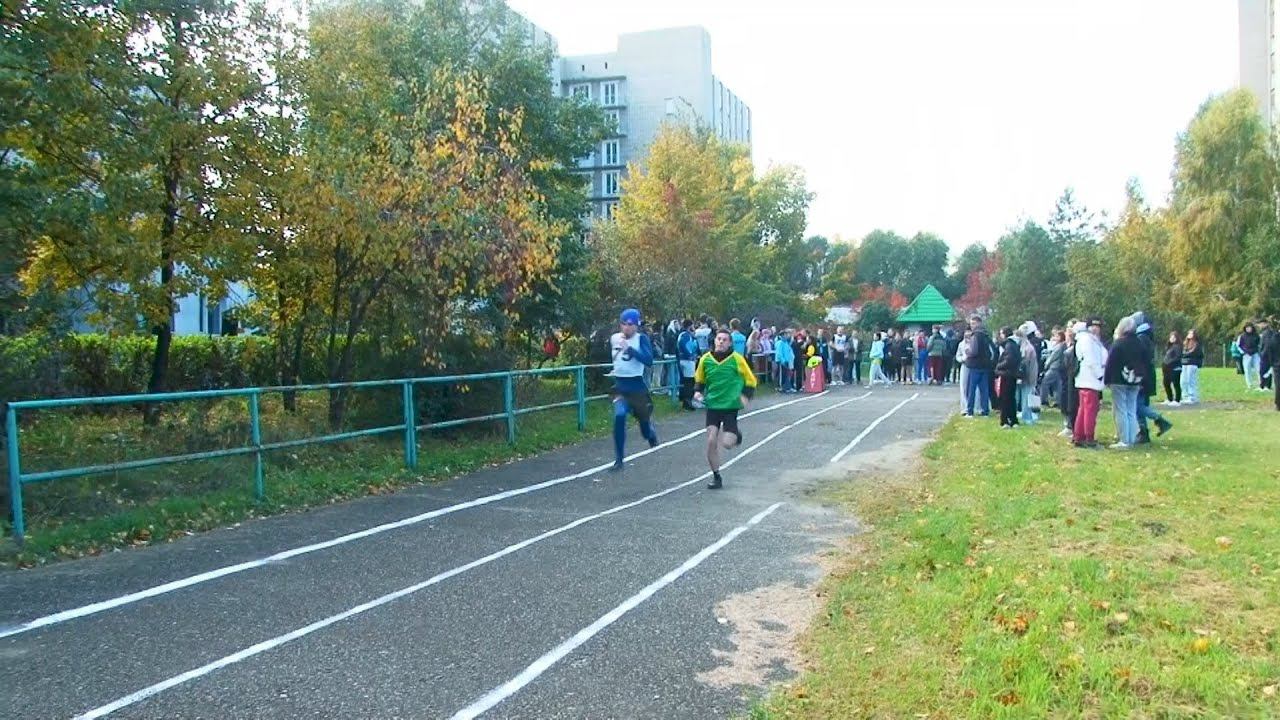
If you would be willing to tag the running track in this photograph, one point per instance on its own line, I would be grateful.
(539, 589)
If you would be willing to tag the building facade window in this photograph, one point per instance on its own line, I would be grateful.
(611, 183)
(610, 208)
(610, 152)
(581, 90)
(614, 117)
(609, 93)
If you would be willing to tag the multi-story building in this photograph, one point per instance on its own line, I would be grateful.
(651, 78)
(1259, 66)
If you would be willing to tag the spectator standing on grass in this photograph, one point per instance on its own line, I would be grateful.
(1267, 332)
(1124, 377)
(1051, 386)
(1171, 370)
(1008, 371)
(1192, 360)
(979, 359)
(1070, 366)
(1250, 344)
(1091, 359)
(1028, 381)
(1273, 354)
(1146, 336)
(962, 349)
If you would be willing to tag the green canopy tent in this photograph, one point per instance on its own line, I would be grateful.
(928, 309)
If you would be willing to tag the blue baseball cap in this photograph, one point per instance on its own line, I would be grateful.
(630, 316)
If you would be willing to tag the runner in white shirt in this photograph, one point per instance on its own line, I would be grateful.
(839, 355)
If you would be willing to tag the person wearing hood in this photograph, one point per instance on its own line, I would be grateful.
(1124, 376)
(1145, 411)
(1027, 380)
(1051, 385)
(1091, 362)
(784, 357)
(1008, 371)
(1250, 343)
(632, 356)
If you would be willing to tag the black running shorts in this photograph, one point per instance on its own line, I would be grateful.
(726, 420)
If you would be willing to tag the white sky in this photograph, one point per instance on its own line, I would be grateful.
(953, 116)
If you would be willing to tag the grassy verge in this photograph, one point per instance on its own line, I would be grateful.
(1016, 577)
(87, 516)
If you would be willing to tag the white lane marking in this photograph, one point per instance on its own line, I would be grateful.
(544, 663)
(94, 608)
(275, 642)
(845, 451)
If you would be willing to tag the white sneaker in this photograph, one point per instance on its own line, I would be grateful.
(1064, 433)
(1119, 446)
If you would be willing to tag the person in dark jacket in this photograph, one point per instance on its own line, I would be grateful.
(978, 360)
(1008, 369)
(799, 343)
(1124, 377)
(1267, 332)
(1273, 354)
(1171, 370)
(1068, 368)
(1250, 348)
(1145, 412)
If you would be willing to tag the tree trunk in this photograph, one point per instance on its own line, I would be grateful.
(164, 328)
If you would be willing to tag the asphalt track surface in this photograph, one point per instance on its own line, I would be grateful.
(538, 589)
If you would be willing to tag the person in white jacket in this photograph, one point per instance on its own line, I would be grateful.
(1092, 359)
(961, 353)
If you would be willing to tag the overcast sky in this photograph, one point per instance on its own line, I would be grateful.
(953, 116)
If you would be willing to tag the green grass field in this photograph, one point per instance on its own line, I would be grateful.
(1017, 577)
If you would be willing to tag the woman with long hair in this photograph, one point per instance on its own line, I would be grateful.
(1192, 360)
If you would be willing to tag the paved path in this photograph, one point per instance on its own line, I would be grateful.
(532, 590)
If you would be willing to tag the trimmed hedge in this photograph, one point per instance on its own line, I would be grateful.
(35, 366)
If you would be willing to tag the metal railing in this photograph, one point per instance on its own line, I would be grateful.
(669, 371)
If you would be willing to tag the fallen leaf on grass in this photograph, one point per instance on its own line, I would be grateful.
(1008, 698)
(1224, 542)
(1269, 690)
(1200, 645)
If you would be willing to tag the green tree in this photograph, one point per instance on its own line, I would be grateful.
(138, 133)
(685, 212)
(1224, 247)
(1030, 284)
(874, 316)
(927, 264)
(415, 196)
(970, 260)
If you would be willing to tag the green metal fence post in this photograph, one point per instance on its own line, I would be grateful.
(580, 388)
(259, 486)
(15, 476)
(509, 405)
(410, 428)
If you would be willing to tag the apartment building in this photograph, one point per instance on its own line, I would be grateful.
(651, 78)
(1258, 59)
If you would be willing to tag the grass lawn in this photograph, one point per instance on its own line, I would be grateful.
(73, 517)
(1017, 577)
